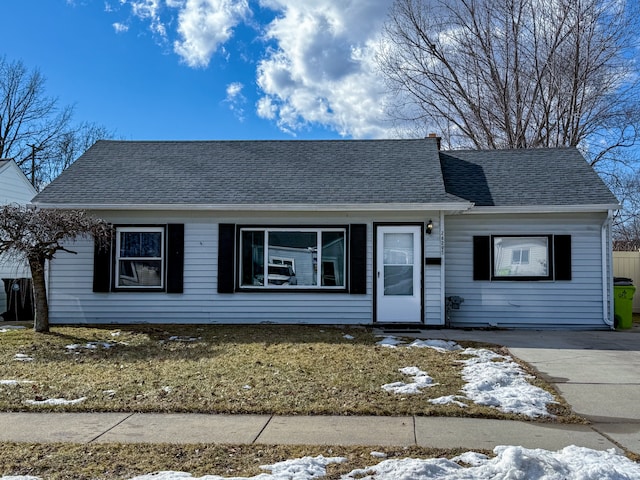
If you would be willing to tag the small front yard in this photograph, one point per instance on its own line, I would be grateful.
(284, 370)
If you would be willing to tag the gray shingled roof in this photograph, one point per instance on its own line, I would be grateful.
(323, 172)
(558, 176)
(252, 172)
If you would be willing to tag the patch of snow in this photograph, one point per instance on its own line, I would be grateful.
(90, 345)
(19, 477)
(471, 458)
(438, 345)
(448, 399)
(391, 342)
(420, 380)
(177, 338)
(492, 379)
(511, 462)
(14, 382)
(497, 381)
(348, 337)
(378, 454)
(10, 328)
(306, 468)
(55, 401)
(247, 387)
(21, 357)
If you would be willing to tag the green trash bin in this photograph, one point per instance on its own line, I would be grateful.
(623, 291)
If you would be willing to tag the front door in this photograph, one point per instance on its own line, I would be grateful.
(398, 273)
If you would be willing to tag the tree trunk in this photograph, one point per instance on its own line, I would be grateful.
(41, 322)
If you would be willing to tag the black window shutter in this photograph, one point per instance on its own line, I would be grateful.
(562, 257)
(482, 258)
(102, 265)
(175, 257)
(226, 257)
(358, 258)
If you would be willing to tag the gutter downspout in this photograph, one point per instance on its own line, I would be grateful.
(607, 271)
(443, 303)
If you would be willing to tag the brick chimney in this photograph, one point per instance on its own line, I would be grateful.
(435, 135)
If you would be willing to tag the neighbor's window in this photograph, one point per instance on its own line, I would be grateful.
(516, 257)
(292, 258)
(139, 257)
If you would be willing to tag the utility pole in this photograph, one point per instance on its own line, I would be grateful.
(34, 149)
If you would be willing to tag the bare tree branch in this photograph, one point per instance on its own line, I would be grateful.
(31, 121)
(516, 73)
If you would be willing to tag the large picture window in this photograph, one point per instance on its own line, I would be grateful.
(139, 261)
(521, 257)
(293, 258)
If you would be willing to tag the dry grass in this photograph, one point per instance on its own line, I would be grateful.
(285, 370)
(115, 461)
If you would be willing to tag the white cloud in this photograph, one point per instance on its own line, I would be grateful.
(317, 66)
(323, 69)
(204, 25)
(234, 90)
(236, 99)
(120, 27)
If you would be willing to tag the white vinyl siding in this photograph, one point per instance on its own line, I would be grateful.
(14, 188)
(71, 298)
(577, 303)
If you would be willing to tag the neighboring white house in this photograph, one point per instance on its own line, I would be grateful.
(14, 188)
(359, 232)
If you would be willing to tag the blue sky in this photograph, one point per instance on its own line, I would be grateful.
(207, 69)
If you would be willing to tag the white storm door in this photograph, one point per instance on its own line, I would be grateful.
(399, 274)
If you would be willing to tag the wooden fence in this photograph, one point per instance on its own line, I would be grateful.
(627, 264)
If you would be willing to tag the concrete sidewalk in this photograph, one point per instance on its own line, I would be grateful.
(437, 432)
(598, 373)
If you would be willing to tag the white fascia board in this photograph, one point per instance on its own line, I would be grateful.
(450, 206)
(544, 209)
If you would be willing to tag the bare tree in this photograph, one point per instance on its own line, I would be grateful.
(517, 73)
(37, 235)
(70, 145)
(34, 129)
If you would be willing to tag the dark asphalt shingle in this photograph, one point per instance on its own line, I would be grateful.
(557, 176)
(323, 172)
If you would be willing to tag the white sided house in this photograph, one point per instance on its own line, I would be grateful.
(352, 232)
(15, 188)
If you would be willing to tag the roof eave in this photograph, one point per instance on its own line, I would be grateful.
(605, 207)
(293, 207)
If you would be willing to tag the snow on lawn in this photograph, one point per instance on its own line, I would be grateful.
(492, 379)
(21, 357)
(89, 346)
(510, 462)
(497, 381)
(55, 401)
(14, 382)
(420, 380)
(10, 328)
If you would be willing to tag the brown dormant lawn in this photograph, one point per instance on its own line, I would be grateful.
(282, 370)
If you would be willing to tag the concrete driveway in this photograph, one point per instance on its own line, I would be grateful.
(597, 372)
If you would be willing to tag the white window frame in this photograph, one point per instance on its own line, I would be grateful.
(283, 261)
(118, 258)
(291, 262)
